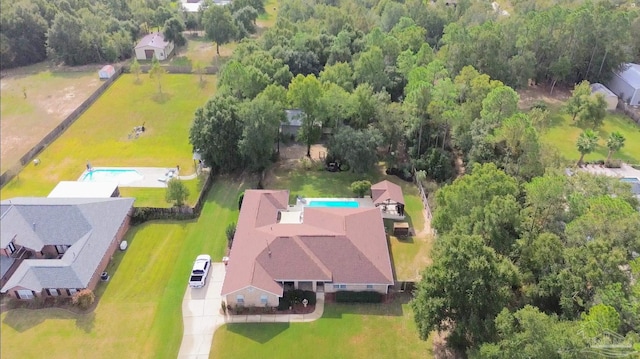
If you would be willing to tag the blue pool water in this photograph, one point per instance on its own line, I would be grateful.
(334, 204)
(121, 176)
(635, 184)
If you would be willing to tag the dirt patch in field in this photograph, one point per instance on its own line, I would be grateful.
(35, 99)
(535, 93)
(291, 157)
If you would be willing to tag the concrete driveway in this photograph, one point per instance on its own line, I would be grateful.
(201, 315)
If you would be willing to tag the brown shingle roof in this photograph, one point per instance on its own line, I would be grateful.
(343, 245)
(386, 191)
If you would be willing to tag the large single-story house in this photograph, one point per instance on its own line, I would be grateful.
(58, 246)
(609, 96)
(324, 249)
(626, 84)
(152, 45)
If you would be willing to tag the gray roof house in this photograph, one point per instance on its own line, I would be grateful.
(626, 84)
(58, 245)
(294, 122)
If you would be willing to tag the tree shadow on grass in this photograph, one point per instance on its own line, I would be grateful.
(393, 307)
(161, 97)
(86, 322)
(258, 332)
(25, 319)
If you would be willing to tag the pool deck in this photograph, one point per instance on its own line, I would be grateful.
(365, 202)
(625, 171)
(151, 176)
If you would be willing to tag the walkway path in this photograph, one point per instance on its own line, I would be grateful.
(201, 315)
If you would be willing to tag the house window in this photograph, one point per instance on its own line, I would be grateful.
(11, 247)
(72, 291)
(53, 292)
(61, 249)
(24, 294)
(339, 286)
(263, 299)
(240, 299)
(369, 286)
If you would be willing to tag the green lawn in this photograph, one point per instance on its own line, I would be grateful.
(344, 331)
(101, 135)
(139, 314)
(51, 97)
(563, 135)
(268, 19)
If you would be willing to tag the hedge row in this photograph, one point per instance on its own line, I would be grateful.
(143, 214)
(296, 296)
(358, 297)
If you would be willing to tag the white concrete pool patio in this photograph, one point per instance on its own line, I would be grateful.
(625, 171)
(150, 177)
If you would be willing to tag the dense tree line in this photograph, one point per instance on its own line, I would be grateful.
(81, 32)
(512, 257)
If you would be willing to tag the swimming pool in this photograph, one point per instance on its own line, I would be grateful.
(630, 179)
(333, 204)
(122, 176)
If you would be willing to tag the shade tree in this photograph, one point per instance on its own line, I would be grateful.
(216, 131)
(304, 93)
(464, 289)
(358, 148)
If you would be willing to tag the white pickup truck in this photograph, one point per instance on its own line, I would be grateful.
(200, 271)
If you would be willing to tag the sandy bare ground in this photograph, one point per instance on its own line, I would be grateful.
(51, 95)
(541, 92)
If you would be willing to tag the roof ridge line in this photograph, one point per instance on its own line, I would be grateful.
(313, 256)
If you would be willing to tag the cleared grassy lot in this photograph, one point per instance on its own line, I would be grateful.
(139, 314)
(563, 135)
(102, 135)
(344, 331)
(35, 99)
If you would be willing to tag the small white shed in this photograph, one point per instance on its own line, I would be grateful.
(609, 96)
(106, 72)
(152, 45)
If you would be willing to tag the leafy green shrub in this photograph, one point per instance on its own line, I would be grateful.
(614, 164)
(360, 188)
(231, 232)
(540, 105)
(296, 296)
(240, 198)
(177, 192)
(358, 297)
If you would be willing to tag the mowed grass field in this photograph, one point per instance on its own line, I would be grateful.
(50, 97)
(139, 314)
(563, 135)
(102, 136)
(355, 331)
